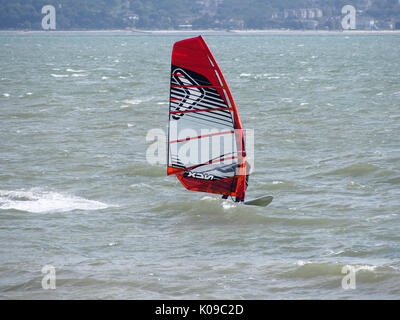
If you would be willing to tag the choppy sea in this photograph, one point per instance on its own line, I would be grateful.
(77, 194)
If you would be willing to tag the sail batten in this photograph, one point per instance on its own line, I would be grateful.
(194, 86)
(199, 110)
(205, 136)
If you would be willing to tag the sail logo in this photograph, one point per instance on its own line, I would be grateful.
(184, 93)
(198, 175)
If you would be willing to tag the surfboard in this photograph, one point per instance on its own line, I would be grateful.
(261, 201)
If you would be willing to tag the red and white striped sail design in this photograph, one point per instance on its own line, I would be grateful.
(205, 140)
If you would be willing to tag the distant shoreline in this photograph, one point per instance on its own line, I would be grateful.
(205, 31)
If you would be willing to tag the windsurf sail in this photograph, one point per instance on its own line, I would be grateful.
(206, 148)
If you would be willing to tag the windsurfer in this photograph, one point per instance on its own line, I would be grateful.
(225, 196)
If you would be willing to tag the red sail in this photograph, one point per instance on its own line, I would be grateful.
(201, 111)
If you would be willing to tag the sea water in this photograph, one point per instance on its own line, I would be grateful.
(78, 196)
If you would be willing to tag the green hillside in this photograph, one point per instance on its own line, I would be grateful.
(199, 14)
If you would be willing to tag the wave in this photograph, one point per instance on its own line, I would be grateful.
(142, 169)
(59, 75)
(133, 101)
(355, 170)
(210, 210)
(279, 185)
(42, 201)
(395, 180)
(141, 187)
(75, 71)
(324, 270)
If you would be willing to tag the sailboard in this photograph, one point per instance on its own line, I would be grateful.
(206, 145)
(261, 202)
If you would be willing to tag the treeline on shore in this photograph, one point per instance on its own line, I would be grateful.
(196, 14)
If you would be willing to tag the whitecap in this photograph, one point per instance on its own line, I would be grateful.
(362, 268)
(137, 101)
(302, 262)
(132, 101)
(140, 187)
(245, 74)
(42, 201)
(208, 198)
(75, 71)
(228, 205)
(79, 75)
(330, 252)
(59, 75)
(6, 95)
